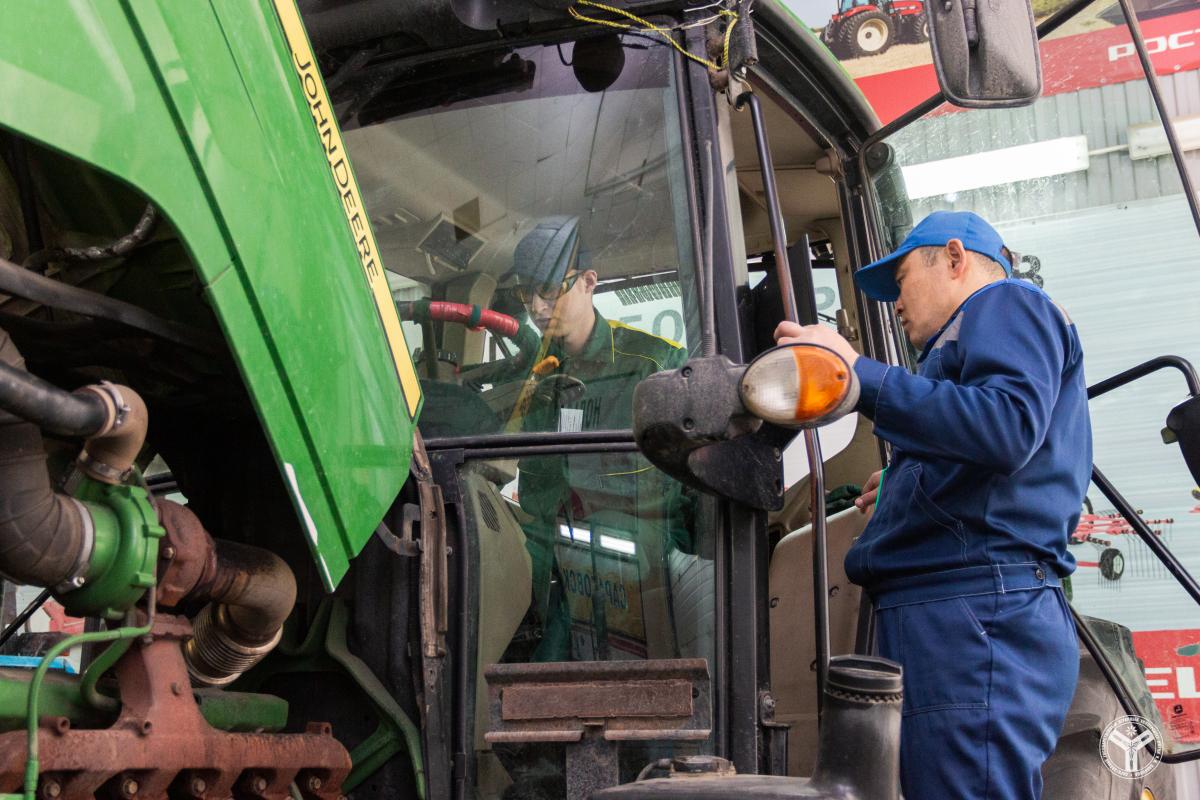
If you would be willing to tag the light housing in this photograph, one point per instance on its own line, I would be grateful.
(799, 386)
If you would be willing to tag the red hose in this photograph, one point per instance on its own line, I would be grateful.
(462, 313)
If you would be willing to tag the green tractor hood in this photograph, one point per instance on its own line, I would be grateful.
(215, 111)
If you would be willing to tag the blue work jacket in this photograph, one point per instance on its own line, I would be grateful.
(992, 451)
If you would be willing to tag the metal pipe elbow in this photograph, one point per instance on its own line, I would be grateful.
(249, 593)
(108, 455)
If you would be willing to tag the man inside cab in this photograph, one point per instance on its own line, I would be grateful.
(583, 380)
(966, 551)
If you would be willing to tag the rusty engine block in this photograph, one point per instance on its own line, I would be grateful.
(161, 746)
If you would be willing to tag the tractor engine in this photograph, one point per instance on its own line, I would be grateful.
(186, 615)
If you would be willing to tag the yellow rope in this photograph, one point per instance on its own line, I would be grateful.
(650, 26)
(728, 36)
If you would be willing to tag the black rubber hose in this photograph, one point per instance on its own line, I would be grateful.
(49, 407)
(17, 280)
(42, 539)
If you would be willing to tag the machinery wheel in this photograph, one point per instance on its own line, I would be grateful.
(831, 35)
(1074, 770)
(866, 34)
(914, 29)
(1112, 564)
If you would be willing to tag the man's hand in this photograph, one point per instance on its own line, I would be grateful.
(791, 333)
(870, 492)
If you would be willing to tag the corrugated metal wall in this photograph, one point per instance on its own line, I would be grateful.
(1120, 272)
(1102, 114)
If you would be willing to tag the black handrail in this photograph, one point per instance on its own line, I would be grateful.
(812, 444)
(1145, 534)
(1144, 369)
(1123, 507)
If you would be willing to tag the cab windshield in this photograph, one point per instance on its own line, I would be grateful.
(530, 210)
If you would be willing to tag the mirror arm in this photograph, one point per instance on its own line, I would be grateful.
(971, 22)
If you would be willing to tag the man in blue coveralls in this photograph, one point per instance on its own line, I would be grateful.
(965, 554)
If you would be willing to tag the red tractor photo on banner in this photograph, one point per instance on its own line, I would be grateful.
(865, 29)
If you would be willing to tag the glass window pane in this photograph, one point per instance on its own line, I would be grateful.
(1105, 229)
(589, 556)
(535, 229)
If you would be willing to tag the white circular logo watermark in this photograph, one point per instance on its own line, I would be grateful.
(1131, 746)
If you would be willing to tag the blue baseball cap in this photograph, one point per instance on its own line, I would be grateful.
(545, 254)
(878, 279)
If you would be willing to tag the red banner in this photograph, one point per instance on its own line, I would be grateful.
(1172, 659)
(1069, 63)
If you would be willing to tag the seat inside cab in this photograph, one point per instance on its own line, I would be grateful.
(809, 199)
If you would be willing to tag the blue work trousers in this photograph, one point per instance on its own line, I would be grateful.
(988, 680)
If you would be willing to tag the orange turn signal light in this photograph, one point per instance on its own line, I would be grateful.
(799, 386)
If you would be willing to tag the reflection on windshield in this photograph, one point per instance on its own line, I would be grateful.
(535, 233)
(588, 556)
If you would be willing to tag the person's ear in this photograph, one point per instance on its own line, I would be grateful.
(956, 254)
(589, 279)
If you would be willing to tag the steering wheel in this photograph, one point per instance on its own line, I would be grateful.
(478, 318)
(474, 317)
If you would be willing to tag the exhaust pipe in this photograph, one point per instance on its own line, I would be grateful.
(48, 538)
(249, 593)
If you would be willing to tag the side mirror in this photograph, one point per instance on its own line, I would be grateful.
(986, 52)
(1183, 426)
(721, 427)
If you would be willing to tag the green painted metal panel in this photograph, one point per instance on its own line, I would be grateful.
(61, 697)
(198, 106)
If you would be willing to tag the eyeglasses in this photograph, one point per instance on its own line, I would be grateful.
(547, 292)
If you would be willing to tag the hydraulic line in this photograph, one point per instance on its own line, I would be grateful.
(135, 238)
(91, 676)
(127, 632)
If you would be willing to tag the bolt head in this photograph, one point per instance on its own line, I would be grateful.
(51, 788)
(198, 786)
(78, 581)
(129, 787)
(168, 552)
(314, 783)
(259, 784)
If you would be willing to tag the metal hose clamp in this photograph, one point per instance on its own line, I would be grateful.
(78, 574)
